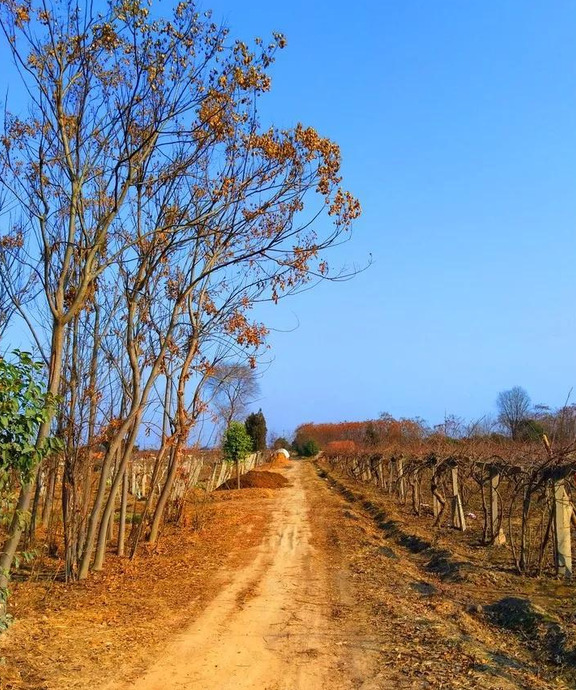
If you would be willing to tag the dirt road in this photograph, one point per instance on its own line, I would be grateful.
(328, 603)
(301, 587)
(274, 626)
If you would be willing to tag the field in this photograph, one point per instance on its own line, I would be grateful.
(307, 585)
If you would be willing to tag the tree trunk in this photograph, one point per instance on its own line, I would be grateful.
(164, 494)
(136, 531)
(33, 515)
(17, 525)
(49, 495)
(109, 507)
(181, 434)
(110, 527)
(122, 521)
(92, 413)
(88, 547)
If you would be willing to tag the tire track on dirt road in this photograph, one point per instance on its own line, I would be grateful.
(328, 603)
(272, 627)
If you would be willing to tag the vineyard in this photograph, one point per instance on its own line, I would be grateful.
(516, 504)
(163, 522)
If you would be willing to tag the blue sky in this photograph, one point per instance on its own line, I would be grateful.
(457, 124)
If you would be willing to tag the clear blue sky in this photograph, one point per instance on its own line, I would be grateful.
(457, 124)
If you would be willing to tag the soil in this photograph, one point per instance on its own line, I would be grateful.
(276, 590)
(257, 479)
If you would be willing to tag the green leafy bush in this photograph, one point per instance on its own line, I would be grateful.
(24, 406)
(309, 449)
(281, 442)
(237, 443)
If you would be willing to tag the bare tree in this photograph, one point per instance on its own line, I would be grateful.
(513, 408)
(142, 165)
(453, 426)
(233, 388)
(484, 426)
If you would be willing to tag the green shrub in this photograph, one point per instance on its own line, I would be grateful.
(309, 448)
(237, 443)
(24, 407)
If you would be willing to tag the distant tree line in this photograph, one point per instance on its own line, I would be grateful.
(516, 420)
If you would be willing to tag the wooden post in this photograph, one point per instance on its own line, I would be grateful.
(225, 473)
(195, 472)
(367, 471)
(562, 516)
(438, 501)
(382, 476)
(355, 462)
(496, 532)
(401, 480)
(357, 469)
(458, 519)
(210, 486)
(416, 493)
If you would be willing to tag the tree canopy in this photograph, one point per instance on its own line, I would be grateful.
(513, 409)
(232, 387)
(147, 210)
(256, 427)
(237, 442)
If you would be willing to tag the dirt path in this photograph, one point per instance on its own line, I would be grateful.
(327, 602)
(300, 587)
(272, 628)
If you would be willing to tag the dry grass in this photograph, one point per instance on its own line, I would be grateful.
(437, 635)
(112, 625)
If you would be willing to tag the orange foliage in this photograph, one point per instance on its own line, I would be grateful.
(369, 433)
(341, 447)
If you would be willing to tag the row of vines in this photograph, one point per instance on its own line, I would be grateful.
(522, 504)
